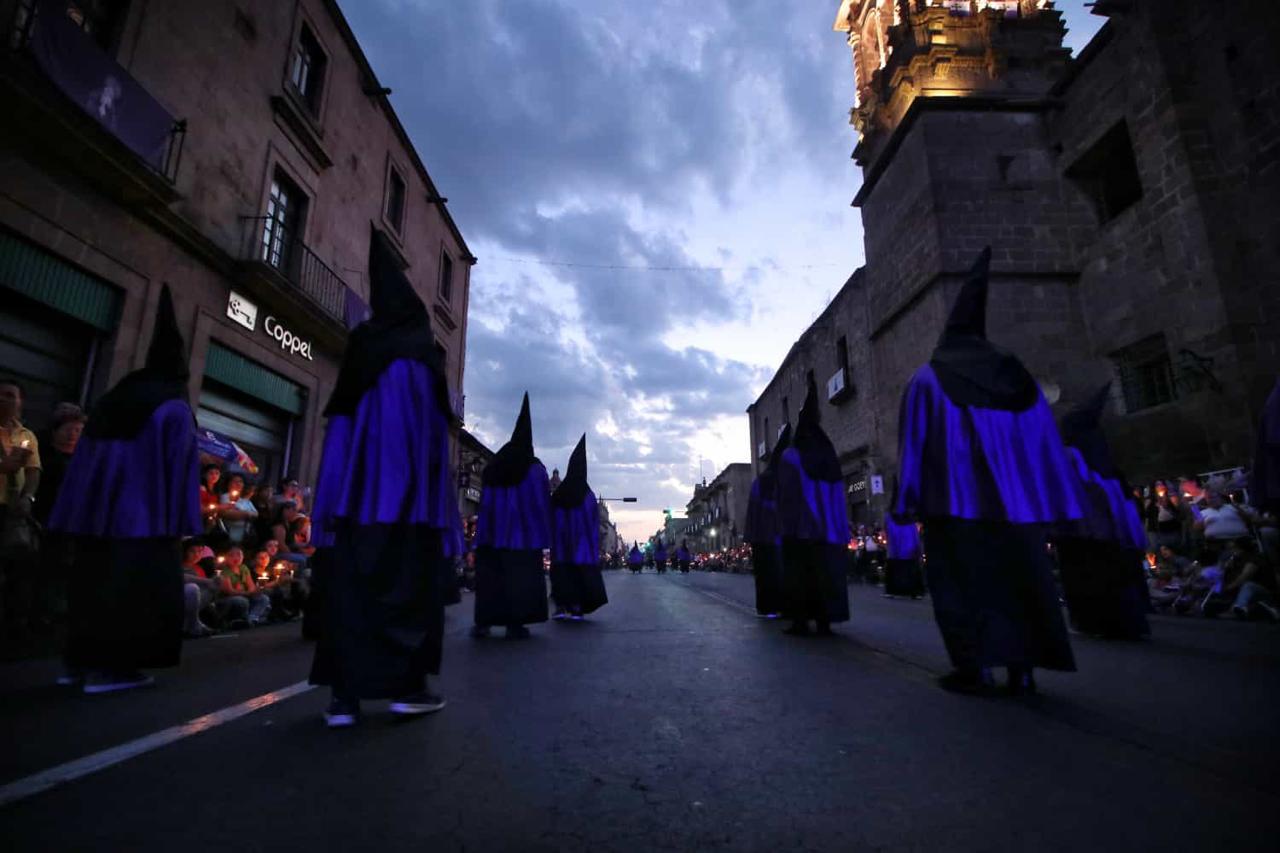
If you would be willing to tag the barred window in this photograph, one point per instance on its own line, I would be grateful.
(1145, 373)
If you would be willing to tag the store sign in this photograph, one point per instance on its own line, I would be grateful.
(877, 484)
(242, 311)
(287, 339)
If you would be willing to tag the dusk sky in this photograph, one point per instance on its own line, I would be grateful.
(658, 194)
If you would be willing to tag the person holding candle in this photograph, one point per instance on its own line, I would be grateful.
(512, 529)
(131, 492)
(237, 511)
(386, 508)
(982, 465)
(236, 579)
(20, 471)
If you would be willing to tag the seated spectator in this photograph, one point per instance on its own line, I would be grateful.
(235, 581)
(1173, 573)
(1248, 582)
(1165, 516)
(238, 512)
(56, 551)
(289, 491)
(198, 589)
(288, 593)
(209, 477)
(1221, 521)
(284, 531)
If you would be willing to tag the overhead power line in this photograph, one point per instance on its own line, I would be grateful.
(544, 262)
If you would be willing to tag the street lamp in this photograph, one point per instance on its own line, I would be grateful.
(624, 500)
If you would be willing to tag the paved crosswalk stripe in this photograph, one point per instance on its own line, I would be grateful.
(37, 783)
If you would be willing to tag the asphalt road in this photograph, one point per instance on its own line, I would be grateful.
(673, 720)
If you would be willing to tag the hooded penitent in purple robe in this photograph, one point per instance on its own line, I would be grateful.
(1264, 481)
(577, 583)
(902, 575)
(635, 559)
(131, 490)
(982, 465)
(512, 529)
(813, 524)
(761, 531)
(1100, 556)
(385, 508)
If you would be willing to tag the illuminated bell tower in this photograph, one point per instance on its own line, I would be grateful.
(908, 49)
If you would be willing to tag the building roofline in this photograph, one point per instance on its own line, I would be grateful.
(854, 279)
(358, 54)
(1090, 52)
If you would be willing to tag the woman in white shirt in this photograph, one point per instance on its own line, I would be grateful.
(240, 513)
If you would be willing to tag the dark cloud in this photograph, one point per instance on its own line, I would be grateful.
(584, 132)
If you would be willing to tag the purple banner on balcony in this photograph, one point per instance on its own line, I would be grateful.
(104, 90)
(356, 310)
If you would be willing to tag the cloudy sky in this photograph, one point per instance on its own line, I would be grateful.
(658, 194)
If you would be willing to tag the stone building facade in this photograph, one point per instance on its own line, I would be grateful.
(241, 152)
(1127, 195)
(717, 512)
(836, 351)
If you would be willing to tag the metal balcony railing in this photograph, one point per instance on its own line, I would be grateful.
(267, 241)
(92, 80)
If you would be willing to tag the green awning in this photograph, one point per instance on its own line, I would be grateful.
(234, 370)
(45, 278)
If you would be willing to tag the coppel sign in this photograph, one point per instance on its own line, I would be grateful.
(289, 342)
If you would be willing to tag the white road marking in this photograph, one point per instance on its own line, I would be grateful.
(81, 767)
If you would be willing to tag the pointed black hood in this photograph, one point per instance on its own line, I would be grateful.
(817, 455)
(511, 463)
(1082, 429)
(124, 410)
(769, 474)
(972, 370)
(573, 488)
(400, 328)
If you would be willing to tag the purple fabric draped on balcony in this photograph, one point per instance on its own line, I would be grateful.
(576, 533)
(135, 488)
(809, 509)
(981, 464)
(516, 517)
(389, 462)
(904, 540)
(1110, 515)
(98, 85)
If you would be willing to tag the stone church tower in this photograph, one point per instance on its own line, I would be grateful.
(950, 96)
(1131, 197)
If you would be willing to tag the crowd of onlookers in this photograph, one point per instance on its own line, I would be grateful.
(248, 566)
(1210, 552)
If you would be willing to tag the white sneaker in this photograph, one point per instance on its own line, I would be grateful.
(418, 703)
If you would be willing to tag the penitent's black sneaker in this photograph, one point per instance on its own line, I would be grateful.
(417, 704)
(342, 714)
(966, 682)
